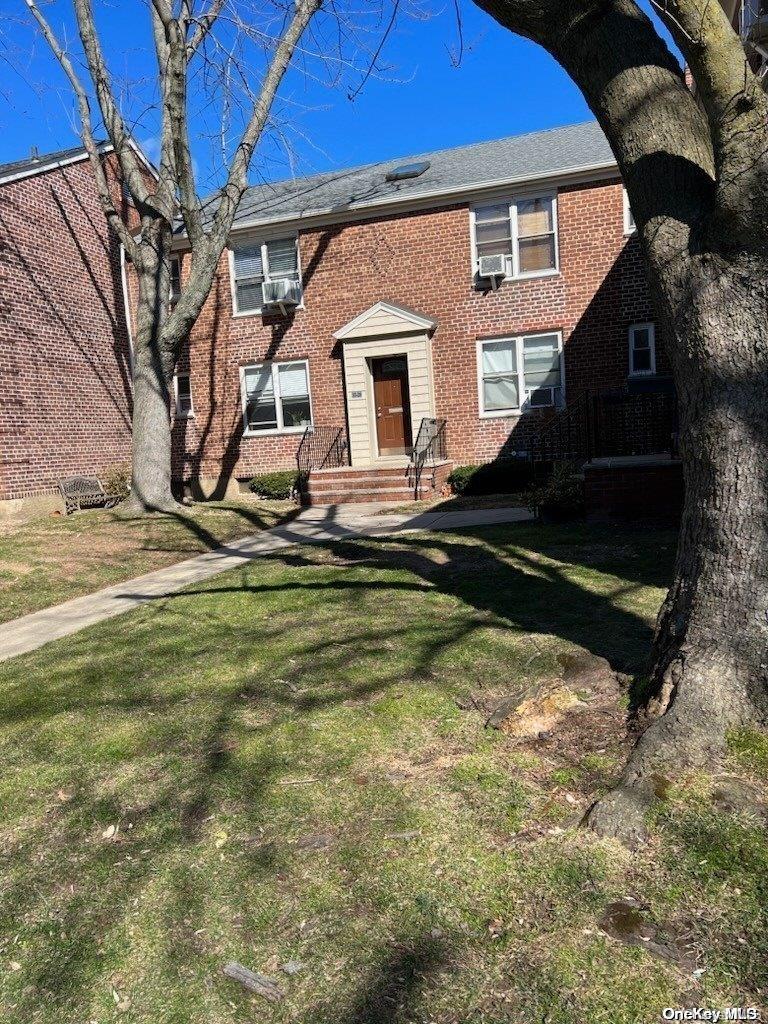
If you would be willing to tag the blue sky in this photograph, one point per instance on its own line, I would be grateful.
(503, 85)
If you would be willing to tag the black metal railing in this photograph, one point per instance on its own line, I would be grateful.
(429, 449)
(322, 448)
(610, 423)
(633, 423)
(566, 435)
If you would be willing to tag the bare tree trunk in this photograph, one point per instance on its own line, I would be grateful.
(709, 670)
(154, 360)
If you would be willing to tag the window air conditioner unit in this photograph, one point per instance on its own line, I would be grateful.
(282, 292)
(492, 266)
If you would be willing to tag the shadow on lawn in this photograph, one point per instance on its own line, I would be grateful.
(500, 578)
(205, 536)
(386, 993)
(488, 570)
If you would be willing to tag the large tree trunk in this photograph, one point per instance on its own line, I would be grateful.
(154, 361)
(709, 669)
(696, 170)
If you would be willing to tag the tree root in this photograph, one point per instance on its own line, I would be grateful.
(132, 506)
(705, 701)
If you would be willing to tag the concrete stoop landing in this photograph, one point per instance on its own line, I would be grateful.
(375, 484)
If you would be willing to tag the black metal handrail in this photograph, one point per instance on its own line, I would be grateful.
(567, 435)
(610, 423)
(322, 448)
(430, 447)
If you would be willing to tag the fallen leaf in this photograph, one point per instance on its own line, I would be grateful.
(110, 832)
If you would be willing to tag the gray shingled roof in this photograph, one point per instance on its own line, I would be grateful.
(33, 162)
(517, 157)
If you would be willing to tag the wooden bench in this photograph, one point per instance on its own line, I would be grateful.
(81, 492)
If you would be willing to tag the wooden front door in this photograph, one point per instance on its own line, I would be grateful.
(393, 410)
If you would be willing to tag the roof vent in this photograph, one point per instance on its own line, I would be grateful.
(34, 153)
(405, 171)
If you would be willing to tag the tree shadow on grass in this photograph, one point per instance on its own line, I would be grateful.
(383, 622)
(539, 588)
(387, 993)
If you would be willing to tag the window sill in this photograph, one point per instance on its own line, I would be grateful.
(276, 432)
(517, 413)
(266, 311)
(481, 286)
(184, 416)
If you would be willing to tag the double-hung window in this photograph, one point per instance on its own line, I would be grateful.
(642, 350)
(276, 397)
(175, 271)
(520, 373)
(183, 395)
(256, 262)
(524, 231)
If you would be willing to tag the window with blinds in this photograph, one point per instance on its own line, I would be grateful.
(276, 397)
(255, 262)
(524, 231)
(521, 373)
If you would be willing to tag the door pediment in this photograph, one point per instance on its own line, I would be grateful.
(384, 319)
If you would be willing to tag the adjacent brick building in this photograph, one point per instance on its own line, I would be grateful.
(65, 396)
(387, 307)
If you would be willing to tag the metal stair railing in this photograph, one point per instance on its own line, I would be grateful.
(430, 447)
(322, 448)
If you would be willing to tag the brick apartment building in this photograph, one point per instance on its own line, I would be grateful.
(65, 395)
(489, 286)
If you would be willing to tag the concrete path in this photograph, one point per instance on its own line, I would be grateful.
(312, 526)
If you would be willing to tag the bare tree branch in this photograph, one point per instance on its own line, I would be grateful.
(113, 121)
(204, 25)
(94, 155)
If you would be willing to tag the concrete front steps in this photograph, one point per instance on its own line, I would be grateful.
(388, 483)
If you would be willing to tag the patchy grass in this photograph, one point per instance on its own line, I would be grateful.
(463, 502)
(288, 763)
(51, 558)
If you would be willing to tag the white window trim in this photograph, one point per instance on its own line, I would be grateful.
(280, 428)
(179, 413)
(651, 328)
(513, 261)
(525, 408)
(262, 240)
(629, 229)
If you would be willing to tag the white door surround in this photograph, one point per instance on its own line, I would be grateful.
(385, 329)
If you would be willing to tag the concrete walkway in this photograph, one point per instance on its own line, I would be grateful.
(312, 526)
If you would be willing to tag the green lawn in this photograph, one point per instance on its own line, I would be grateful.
(290, 763)
(52, 558)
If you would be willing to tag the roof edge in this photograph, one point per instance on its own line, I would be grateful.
(338, 215)
(53, 164)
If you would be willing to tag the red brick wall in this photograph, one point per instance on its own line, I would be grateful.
(634, 493)
(421, 260)
(64, 360)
